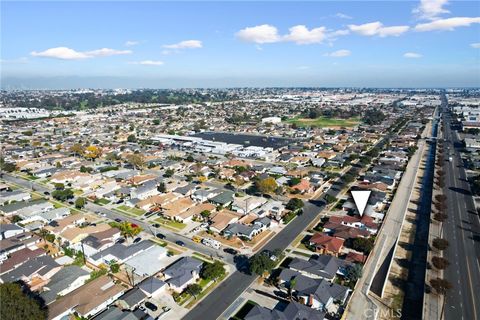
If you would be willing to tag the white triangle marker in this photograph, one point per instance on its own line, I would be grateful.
(361, 198)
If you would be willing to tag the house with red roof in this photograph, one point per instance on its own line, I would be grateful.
(326, 244)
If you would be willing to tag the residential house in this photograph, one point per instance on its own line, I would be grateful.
(183, 272)
(88, 300)
(63, 282)
(326, 244)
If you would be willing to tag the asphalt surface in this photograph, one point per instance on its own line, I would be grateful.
(462, 230)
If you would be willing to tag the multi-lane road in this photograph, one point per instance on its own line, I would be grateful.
(462, 230)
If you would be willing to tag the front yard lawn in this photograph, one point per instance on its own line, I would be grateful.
(171, 223)
(135, 211)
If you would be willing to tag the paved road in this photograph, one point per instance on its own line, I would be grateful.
(462, 230)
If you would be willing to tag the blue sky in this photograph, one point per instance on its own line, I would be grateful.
(428, 43)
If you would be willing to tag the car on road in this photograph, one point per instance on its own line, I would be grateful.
(156, 225)
(180, 243)
(121, 240)
(137, 240)
(231, 251)
(160, 236)
(103, 214)
(46, 193)
(118, 220)
(151, 306)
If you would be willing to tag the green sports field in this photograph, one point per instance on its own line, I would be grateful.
(323, 122)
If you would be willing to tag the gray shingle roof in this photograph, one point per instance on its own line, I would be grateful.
(60, 281)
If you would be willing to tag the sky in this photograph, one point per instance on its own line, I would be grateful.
(157, 44)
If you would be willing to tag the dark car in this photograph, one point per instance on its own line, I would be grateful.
(151, 306)
(231, 251)
(121, 240)
(118, 220)
(137, 240)
(46, 193)
(180, 243)
(156, 225)
(160, 236)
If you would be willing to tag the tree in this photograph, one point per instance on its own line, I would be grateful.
(127, 229)
(77, 149)
(363, 244)
(137, 160)
(330, 199)
(43, 233)
(440, 243)
(440, 285)
(353, 272)
(261, 263)
(132, 138)
(62, 195)
(205, 213)
(194, 289)
(291, 287)
(168, 173)
(114, 267)
(266, 185)
(213, 271)
(161, 187)
(17, 305)
(373, 116)
(294, 204)
(93, 152)
(80, 203)
(190, 158)
(59, 186)
(440, 263)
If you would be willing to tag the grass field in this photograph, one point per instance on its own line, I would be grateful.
(323, 122)
(135, 211)
(171, 223)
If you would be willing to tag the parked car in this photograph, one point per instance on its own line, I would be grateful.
(118, 220)
(160, 236)
(156, 225)
(230, 251)
(137, 240)
(151, 306)
(121, 240)
(180, 243)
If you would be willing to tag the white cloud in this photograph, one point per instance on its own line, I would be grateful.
(412, 55)
(131, 43)
(65, 53)
(264, 33)
(301, 35)
(475, 45)
(377, 29)
(149, 63)
(343, 16)
(187, 44)
(339, 53)
(430, 9)
(447, 24)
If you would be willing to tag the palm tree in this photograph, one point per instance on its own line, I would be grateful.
(128, 229)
